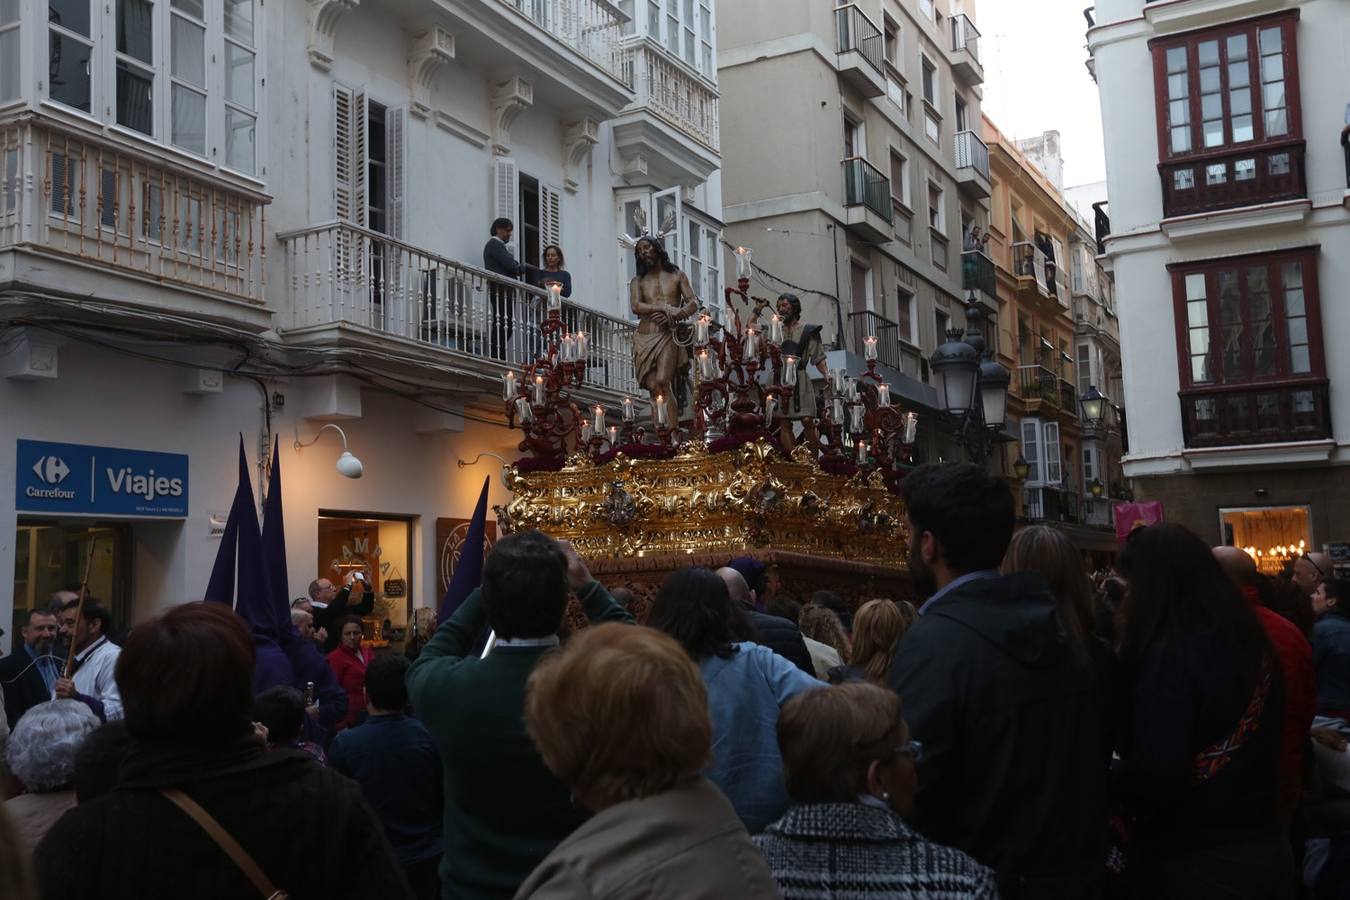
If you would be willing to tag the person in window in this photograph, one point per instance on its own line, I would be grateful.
(974, 240)
(499, 258)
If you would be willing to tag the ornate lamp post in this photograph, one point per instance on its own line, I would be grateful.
(971, 386)
(1093, 404)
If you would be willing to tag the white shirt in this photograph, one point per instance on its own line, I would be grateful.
(94, 676)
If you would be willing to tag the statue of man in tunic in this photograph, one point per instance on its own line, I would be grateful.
(661, 297)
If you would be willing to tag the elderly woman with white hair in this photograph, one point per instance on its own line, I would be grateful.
(41, 754)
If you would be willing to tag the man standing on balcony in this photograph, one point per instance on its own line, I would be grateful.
(499, 258)
(803, 342)
(655, 296)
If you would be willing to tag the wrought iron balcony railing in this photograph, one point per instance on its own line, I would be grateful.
(965, 36)
(971, 153)
(857, 33)
(978, 273)
(1256, 414)
(864, 185)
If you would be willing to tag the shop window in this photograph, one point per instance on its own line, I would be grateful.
(380, 549)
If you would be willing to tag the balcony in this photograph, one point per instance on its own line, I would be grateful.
(1051, 504)
(1255, 414)
(869, 324)
(672, 125)
(966, 51)
(1037, 386)
(1101, 225)
(1031, 268)
(861, 50)
(76, 208)
(867, 200)
(972, 165)
(978, 273)
(1068, 398)
(1234, 180)
(361, 289)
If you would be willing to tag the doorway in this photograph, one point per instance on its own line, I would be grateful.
(1274, 536)
(51, 555)
(380, 548)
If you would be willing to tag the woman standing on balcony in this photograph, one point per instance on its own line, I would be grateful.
(553, 271)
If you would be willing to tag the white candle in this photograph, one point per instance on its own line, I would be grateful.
(569, 348)
(614, 435)
(707, 368)
(554, 296)
(701, 328)
(743, 262)
(837, 380)
(776, 330)
(539, 390)
(870, 346)
(838, 410)
(598, 420)
(523, 411)
(628, 409)
(850, 389)
(790, 371)
(660, 411)
(509, 386)
(909, 427)
(586, 432)
(883, 394)
(770, 407)
(583, 345)
(751, 344)
(862, 451)
(855, 419)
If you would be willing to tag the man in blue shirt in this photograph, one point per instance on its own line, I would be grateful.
(28, 676)
(394, 759)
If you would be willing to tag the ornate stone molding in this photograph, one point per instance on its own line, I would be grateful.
(428, 53)
(324, 16)
(577, 141)
(634, 167)
(509, 99)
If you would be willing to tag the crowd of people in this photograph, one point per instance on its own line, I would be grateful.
(1176, 730)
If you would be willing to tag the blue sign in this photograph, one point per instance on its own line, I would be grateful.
(78, 480)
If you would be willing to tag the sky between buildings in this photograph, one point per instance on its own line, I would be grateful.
(1035, 79)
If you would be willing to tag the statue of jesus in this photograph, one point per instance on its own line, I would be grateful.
(661, 297)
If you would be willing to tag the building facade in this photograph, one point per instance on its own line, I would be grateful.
(1228, 234)
(853, 167)
(223, 219)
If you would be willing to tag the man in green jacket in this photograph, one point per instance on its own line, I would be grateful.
(504, 810)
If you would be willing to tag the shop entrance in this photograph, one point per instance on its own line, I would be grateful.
(380, 548)
(50, 555)
(1274, 536)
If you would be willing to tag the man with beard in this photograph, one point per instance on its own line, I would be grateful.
(29, 674)
(1004, 702)
(91, 676)
(803, 343)
(660, 296)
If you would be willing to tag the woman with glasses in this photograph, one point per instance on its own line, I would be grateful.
(851, 773)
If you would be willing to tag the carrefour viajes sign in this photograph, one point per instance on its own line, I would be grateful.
(80, 480)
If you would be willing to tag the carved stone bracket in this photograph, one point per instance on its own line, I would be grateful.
(428, 53)
(634, 167)
(578, 139)
(324, 16)
(509, 99)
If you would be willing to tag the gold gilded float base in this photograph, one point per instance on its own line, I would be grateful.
(732, 502)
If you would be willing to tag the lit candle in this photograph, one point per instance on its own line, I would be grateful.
(569, 348)
(837, 380)
(509, 386)
(870, 346)
(583, 345)
(751, 344)
(598, 419)
(707, 368)
(614, 435)
(743, 262)
(909, 427)
(660, 411)
(862, 451)
(539, 390)
(855, 419)
(883, 394)
(838, 410)
(850, 389)
(776, 330)
(586, 432)
(790, 371)
(770, 407)
(554, 296)
(628, 409)
(701, 328)
(523, 411)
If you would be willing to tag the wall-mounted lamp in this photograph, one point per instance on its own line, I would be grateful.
(347, 464)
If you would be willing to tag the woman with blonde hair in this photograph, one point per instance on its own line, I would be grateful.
(878, 627)
(620, 716)
(1047, 551)
(822, 624)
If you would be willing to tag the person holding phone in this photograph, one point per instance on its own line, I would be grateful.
(330, 605)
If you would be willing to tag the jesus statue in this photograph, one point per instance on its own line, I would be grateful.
(661, 297)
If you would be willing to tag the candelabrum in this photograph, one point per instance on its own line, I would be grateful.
(540, 400)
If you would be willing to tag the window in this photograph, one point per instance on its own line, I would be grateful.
(369, 153)
(853, 138)
(932, 128)
(861, 285)
(893, 43)
(1050, 435)
(937, 208)
(942, 322)
(179, 71)
(686, 29)
(899, 179)
(962, 117)
(1031, 448)
(905, 313)
(9, 49)
(1084, 368)
(1253, 319)
(930, 83)
(926, 9)
(705, 25)
(895, 91)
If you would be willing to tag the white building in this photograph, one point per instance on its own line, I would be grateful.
(1228, 234)
(219, 217)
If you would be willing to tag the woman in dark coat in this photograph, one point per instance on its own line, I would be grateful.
(186, 680)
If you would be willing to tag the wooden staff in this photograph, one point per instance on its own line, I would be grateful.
(79, 609)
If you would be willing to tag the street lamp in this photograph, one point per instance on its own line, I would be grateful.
(347, 465)
(1096, 488)
(971, 386)
(1021, 468)
(1094, 408)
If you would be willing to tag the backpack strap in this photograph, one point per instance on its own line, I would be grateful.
(222, 838)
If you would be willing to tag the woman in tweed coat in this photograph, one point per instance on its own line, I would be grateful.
(844, 838)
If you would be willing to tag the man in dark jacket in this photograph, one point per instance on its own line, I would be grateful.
(782, 636)
(504, 810)
(1003, 701)
(29, 674)
(330, 606)
(499, 259)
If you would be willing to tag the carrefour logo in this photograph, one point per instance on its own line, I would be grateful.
(51, 470)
